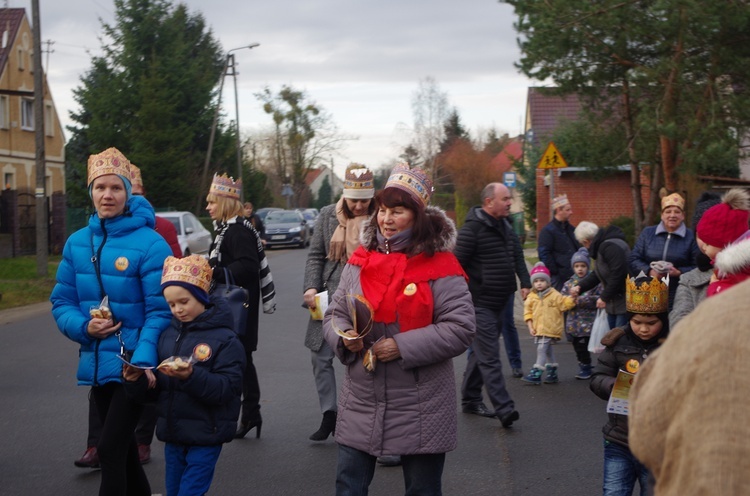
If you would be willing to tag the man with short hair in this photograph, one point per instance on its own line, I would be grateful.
(488, 249)
(557, 243)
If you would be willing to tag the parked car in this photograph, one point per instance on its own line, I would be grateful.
(286, 228)
(310, 216)
(264, 211)
(193, 237)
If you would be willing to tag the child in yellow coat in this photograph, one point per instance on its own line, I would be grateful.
(543, 312)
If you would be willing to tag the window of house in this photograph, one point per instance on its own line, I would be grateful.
(27, 114)
(4, 112)
(49, 128)
(9, 180)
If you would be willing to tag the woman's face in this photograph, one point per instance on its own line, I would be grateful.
(213, 209)
(672, 218)
(392, 221)
(358, 207)
(645, 326)
(109, 195)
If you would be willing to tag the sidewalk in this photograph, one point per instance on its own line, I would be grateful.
(20, 313)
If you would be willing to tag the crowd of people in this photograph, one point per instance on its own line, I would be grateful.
(406, 292)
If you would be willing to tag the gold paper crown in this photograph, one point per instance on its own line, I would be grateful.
(413, 181)
(135, 176)
(559, 201)
(110, 161)
(359, 183)
(673, 200)
(193, 269)
(226, 186)
(647, 297)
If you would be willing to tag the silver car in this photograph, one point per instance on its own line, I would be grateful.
(193, 237)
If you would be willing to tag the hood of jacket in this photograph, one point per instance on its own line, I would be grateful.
(442, 224)
(138, 213)
(605, 233)
(734, 259)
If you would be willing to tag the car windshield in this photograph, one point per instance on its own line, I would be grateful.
(309, 215)
(282, 218)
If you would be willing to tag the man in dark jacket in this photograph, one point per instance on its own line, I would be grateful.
(486, 248)
(557, 243)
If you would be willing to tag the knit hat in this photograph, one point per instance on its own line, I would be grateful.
(727, 221)
(673, 200)
(413, 181)
(707, 200)
(225, 186)
(540, 271)
(192, 273)
(359, 183)
(581, 256)
(110, 161)
(560, 201)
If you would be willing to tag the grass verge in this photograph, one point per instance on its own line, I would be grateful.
(19, 283)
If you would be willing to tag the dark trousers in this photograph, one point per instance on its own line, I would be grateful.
(250, 392)
(581, 347)
(144, 432)
(510, 335)
(484, 366)
(121, 472)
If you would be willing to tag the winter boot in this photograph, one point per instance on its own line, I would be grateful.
(584, 371)
(327, 427)
(551, 376)
(535, 375)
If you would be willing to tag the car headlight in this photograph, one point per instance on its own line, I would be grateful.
(295, 229)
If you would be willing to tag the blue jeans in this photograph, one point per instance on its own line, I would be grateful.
(510, 335)
(422, 473)
(617, 320)
(190, 469)
(621, 471)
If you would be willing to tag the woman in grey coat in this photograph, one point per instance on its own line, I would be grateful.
(399, 391)
(335, 238)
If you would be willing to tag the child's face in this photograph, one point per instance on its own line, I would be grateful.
(540, 284)
(645, 326)
(182, 304)
(709, 250)
(580, 269)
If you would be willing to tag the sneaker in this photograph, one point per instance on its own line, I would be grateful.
(584, 371)
(517, 373)
(90, 459)
(144, 453)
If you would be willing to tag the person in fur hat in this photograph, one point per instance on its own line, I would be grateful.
(720, 227)
(543, 312)
(398, 353)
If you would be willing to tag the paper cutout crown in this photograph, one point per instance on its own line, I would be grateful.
(110, 161)
(559, 201)
(650, 296)
(359, 183)
(135, 175)
(226, 186)
(413, 181)
(193, 270)
(673, 200)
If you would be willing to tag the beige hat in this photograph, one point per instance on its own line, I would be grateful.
(359, 183)
(110, 161)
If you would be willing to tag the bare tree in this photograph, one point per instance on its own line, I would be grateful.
(430, 109)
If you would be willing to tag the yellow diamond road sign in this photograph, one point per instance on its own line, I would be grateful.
(552, 158)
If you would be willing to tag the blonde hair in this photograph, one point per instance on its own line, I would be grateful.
(226, 207)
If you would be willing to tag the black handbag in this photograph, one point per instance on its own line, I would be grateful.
(238, 299)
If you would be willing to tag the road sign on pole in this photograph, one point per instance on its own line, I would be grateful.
(552, 158)
(509, 179)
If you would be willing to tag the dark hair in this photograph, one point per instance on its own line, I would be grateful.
(350, 215)
(664, 317)
(423, 232)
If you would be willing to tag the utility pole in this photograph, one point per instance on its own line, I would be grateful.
(48, 50)
(40, 197)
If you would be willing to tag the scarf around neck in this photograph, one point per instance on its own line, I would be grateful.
(345, 239)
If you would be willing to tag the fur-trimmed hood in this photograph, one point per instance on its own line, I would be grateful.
(443, 225)
(735, 258)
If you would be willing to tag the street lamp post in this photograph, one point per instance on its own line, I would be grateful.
(229, 60)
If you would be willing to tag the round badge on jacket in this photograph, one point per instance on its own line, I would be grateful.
(632, 365)
(410, 289)
(122, 263)
(202, 352)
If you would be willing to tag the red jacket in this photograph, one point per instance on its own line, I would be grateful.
(169, 233)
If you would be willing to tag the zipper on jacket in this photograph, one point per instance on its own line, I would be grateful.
(666, 247)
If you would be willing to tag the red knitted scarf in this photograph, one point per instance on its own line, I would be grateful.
(398, 287)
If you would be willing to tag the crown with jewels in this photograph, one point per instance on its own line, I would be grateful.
(193, 269)
(110, 161)
(359, 183)
(135, 175)
(413, 181)
(223, 185)
(651, 295)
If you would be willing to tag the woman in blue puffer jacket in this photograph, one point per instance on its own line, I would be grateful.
(118, 255)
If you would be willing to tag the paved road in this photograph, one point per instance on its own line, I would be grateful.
(555, 449)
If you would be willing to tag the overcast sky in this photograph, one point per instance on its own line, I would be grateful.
(360, 60)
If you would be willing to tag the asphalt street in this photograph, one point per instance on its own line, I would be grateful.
(554, 449)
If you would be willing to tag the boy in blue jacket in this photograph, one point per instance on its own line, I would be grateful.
(199, 380)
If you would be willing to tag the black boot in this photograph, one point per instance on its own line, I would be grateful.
(327, 427)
